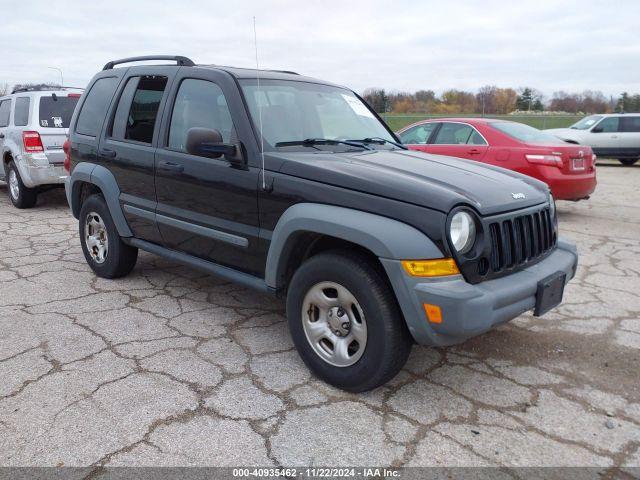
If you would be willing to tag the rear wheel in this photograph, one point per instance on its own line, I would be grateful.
(105, 252)
(345, 322)
(627, 162)
(20, 195)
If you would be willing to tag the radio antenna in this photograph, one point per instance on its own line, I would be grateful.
(259, 100)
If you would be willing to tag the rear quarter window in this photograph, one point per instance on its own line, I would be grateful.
(5, 111)
(94, 108)
(56, 111)
(21, 112)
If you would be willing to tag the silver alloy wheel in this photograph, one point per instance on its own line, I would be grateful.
(95, 237)
(14, 186)
(334, 324)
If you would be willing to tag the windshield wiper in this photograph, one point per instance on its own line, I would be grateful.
(380, 141)
(323, 141)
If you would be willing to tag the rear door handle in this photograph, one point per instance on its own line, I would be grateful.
(474, 151)
(171, 166)
(1, 135)
(105, 152)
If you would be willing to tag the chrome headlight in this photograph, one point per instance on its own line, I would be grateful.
(552, 207)
(462, 232)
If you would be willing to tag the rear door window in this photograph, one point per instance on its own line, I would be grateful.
(95, 106)
(56, 111)
(476, 138)
(5, 111)
(143, 113)
(453, 134)
(630, 124)
(21, 111)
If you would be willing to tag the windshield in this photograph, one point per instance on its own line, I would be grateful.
(294, 111)
(525, 133)
(56, 111)
(586, 123)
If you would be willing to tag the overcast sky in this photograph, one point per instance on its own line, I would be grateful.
(401, 45)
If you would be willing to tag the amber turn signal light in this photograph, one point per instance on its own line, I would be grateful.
(434, 313)
(431, 268)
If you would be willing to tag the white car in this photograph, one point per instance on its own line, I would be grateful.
(33, 128)
(615, 135)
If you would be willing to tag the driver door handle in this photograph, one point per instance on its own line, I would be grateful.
(1, 135)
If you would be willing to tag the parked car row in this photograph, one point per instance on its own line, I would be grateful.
(33, 129)
(568, 169)
(294, 187)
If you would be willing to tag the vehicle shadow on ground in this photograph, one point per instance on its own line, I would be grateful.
(48, 199)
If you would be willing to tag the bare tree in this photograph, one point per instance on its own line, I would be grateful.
(4, 89)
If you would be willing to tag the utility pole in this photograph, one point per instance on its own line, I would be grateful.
(61, 77)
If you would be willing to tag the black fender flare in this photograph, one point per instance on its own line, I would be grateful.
(103, 179)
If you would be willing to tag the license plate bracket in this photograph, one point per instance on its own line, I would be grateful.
(577, 164)
(549, 293)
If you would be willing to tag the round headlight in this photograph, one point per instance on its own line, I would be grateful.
(552, 207)
(462, 232)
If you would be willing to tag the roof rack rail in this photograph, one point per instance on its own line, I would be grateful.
(42, 88)
(284, 71)
(181, 61)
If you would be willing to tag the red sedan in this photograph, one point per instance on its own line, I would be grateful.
(568, 169)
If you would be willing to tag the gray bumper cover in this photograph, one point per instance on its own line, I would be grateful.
(469, 310)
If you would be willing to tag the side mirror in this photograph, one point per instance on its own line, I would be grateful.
(207, 142)
(596, 130)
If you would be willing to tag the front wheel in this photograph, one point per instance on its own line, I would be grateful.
(105, 252)
(20, 195)
(345, 322)
(627, 162)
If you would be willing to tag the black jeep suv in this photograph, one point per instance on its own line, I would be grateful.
(293, 186)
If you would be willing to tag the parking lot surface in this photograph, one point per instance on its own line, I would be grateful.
(172, 367)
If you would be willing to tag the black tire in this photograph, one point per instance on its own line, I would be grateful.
(388, 342)
(627, 162)
(120, 258)
(26, 197)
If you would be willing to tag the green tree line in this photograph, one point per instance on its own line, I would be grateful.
(492, 100)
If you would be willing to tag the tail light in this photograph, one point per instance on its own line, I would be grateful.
(553, 160)
(67, 156)
(32, 142)
(74, 95)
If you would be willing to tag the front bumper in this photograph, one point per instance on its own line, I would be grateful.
(35, 170)
(469, 310)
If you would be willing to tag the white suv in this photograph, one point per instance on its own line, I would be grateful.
(615, 135)
(33, 128)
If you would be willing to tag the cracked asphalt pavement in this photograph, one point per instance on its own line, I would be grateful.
(172, 367)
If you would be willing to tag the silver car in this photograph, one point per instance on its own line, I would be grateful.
(614, 135)
(33, 129)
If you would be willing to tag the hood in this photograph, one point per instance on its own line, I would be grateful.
(433, 181)
(562, 133)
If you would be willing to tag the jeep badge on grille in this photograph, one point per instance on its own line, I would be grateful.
(518, 196)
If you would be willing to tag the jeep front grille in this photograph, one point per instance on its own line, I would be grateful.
(520, 239)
